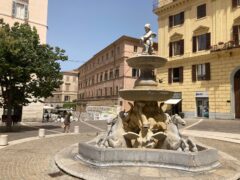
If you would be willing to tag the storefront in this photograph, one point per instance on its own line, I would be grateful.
(174, 104)
(202, 104)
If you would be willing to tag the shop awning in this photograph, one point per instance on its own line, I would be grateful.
(172, 101)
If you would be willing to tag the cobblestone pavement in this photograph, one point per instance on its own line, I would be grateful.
(34, 160)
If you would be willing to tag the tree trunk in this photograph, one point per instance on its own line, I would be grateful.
(9, 106)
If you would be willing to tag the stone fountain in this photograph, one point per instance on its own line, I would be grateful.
(139, 135)
(144, 136)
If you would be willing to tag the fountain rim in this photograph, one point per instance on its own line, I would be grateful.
(146, 61)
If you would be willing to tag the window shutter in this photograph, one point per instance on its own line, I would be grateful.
(234, 3)
(181, 74)
(182, 17)
(26, 11)
(181, 47)
(208, 71)
(235, 35)
(14, 9)
(170, 75)
(170, 49)
(170, 21)
(208, 45)
(194, 44)
(194, 78)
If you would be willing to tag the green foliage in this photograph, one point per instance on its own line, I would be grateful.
(69, 105)
(29, 70)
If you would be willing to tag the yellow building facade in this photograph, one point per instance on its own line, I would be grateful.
(200, 39)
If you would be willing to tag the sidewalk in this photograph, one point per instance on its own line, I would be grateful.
(224, 130)
(229, 137)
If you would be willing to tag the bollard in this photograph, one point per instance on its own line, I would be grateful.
(76, 129)
(3, 140)
(41, 133)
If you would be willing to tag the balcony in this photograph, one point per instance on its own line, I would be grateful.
(161, 3)
(225, 46)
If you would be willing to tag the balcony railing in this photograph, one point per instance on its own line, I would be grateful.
(161, 3)
(225, 45)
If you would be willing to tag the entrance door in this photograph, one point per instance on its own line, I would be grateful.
(202, 107)
(237, 94)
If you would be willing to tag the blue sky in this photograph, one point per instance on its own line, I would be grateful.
(84, 27)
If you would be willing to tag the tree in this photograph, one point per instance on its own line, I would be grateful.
(29, 70)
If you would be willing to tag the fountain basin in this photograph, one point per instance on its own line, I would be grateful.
(145, 94)
(205, 159)
(146, 61)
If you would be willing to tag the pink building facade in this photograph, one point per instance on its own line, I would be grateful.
(101, 77)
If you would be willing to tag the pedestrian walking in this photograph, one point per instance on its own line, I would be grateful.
(67, 121)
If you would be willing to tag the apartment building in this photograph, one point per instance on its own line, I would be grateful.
(200, 39)
(102, 76)
(35, 13)
(67, 92)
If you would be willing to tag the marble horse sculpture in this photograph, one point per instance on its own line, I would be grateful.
(174, 140)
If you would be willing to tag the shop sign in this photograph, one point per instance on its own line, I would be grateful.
(202, 94)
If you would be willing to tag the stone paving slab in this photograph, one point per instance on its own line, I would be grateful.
(230, 137)
(228, 170)
(35, 159)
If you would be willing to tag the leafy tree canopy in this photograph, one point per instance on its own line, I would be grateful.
(29, 70)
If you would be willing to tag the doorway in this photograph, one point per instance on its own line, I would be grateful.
(202, 107)
(237, 93)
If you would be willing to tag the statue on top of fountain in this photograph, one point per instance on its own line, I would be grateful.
(147, 40)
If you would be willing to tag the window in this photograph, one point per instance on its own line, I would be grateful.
(74, 79)
(135, 72)
(106, 76)
(202, 42)
(67, 86)
(66, 98)
(97, 78)
(112, 53)
(176, 19)
(175, 75)
(105, 91)
(111, 91)
(236, 35)
(176, 48)
(235, 3)
(67, 78)
(116, 73)
(135, 48)
(116, 90)
(101, 77)
(111, 74)
(118, 50)
(201, 11)
(201, 72)
(107, 56)
(20, 9)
